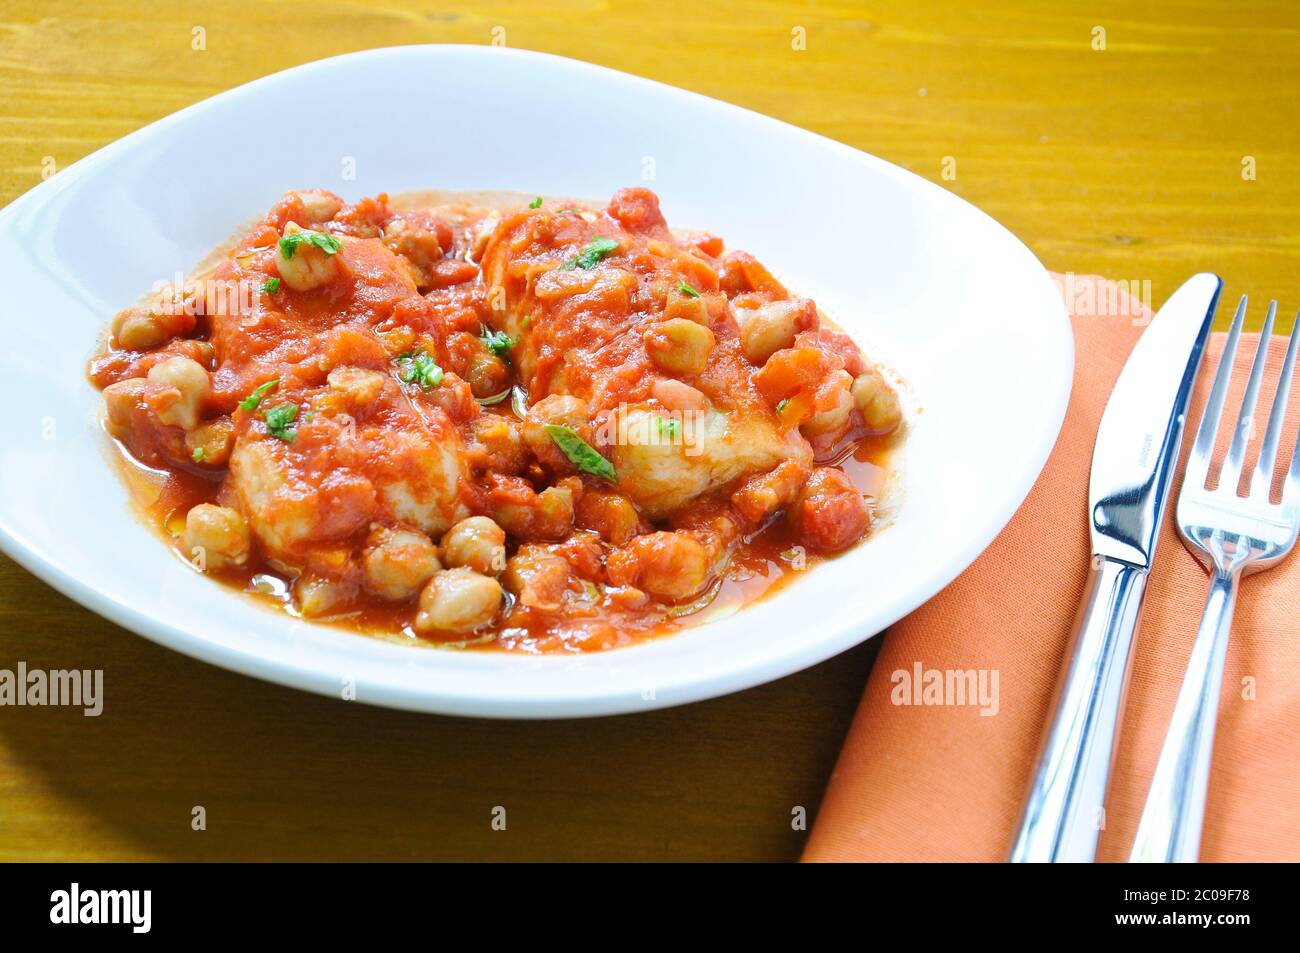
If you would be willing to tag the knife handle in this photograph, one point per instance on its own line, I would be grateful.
(1065, 811)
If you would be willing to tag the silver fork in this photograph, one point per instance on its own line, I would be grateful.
(1233, 536)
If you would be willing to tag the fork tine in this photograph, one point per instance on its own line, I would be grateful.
(1261, 482)
(1198, 462)
(1291, 488)
(1292, 485)
(1231, 474)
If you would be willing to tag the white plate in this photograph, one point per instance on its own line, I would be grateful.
(929, 284)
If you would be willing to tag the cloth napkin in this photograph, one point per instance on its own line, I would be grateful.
(947, 782)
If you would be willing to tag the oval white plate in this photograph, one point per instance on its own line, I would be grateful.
(928, 283)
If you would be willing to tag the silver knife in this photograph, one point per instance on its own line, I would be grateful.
(1133, 464)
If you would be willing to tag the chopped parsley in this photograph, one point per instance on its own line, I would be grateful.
(419, 368)
(580, 453)
(498, 342)
(781, 404)
(271, 285)
(326, 243)
(536, 203)
(668, 427)
(250, 402)
(278, 422)
(687, 290)
(198, 454)
(596, 251)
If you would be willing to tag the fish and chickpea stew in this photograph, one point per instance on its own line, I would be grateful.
(537, 426)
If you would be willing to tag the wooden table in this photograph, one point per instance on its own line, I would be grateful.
(1141, 144)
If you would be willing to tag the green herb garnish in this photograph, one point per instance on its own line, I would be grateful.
(498, 342)
(595, 252)
(197, 455)
(271, 285)
(580, 453)
(668, 427)
(687, 290)
(419, 368)
(278, 420)
(250, 402)
(326, 243)
(536, 203)
(781, 404)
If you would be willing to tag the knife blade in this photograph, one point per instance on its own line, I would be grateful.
(1133, 463)
(1141, 429)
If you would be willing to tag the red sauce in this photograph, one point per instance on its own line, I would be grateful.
(389, 344)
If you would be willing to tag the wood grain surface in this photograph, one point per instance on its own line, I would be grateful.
(1144, 141)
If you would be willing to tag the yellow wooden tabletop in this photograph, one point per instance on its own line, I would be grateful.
(1144, 141)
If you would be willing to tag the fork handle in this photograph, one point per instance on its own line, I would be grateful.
(1170, 829)
(1064, 813)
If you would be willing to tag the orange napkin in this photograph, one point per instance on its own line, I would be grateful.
(945, 782)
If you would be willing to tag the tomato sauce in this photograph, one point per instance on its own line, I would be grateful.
(639, 430)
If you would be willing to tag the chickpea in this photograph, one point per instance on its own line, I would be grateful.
(499, 441)
(762, 494)
(487, 375)
(877, 402)
(557, 409)
(516, 518)
(476, 542)
(689, 307)
(358, 385)
(713, 524)
(122, 400)
(670, 565)
(320, 206)
(139, 328)
(612, 515)
(189, 382)
(768, 328)
(397, 340)
(574, 486)
(834, 404)
(554, 519)
(421, 246)
(317, 595)
(219, 533)
(457, 601)
(397, 563)
(210, 442)
(537, 578)
(680, 346)
(306, 266)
